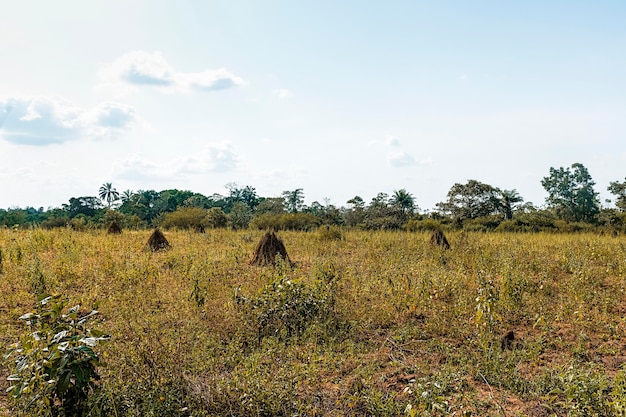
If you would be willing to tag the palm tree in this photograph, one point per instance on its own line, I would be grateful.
(403, 199)
(507, 199)
(126, 196)
(108, 193)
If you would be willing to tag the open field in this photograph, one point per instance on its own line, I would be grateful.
(376, 323)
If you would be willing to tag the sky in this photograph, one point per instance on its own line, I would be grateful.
(338, 98)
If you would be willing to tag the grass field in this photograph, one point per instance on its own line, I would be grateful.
(374, 323)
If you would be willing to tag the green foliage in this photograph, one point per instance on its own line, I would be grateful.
(618, 394)
(472, 200)
(239, 216)
(571, 193)
(583, 393)
(185, 218)
(55, 364)
(216, 218)
(618, 189)
(108, 193)
(286, 307)
(330, 233)
(285, 221)
(294, 200)
(430, 397)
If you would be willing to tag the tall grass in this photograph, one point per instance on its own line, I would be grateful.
(413, 330)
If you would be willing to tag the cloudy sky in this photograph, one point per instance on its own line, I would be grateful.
(339, 98)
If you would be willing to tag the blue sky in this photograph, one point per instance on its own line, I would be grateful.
(338, 98)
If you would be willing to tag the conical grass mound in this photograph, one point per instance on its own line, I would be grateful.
(439, 239)
(269, 248)
(114, 228)
(157, 241)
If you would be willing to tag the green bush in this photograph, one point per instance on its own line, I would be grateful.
(216, 218)
(425, 225)
(285, 221)
(286, 307)
(185, 218)
(55, 365)
(330, 233)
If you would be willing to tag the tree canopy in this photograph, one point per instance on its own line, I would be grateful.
(571, 194)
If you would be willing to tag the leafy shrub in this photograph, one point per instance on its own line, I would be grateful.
(424, 225)
(330, 233)
(286, 307)
(54, 222)
(583, 393)
(185, 218)
(285, 221)
(216, 218)
(55, 365)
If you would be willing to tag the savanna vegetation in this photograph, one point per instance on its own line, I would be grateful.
(572, 204)
(373, 309)
(358, 323)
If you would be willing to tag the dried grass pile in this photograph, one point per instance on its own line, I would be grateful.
(199, 228)
(439, 239)
(270, 246)
(114, 228)
(157, 241)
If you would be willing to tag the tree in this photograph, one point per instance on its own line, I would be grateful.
(508, 198)
(246, 195)
(108, 194)
(216, 217)
(404, 200)
(618, 189)
(382, 215)
(571, 193)
(274, 205)
(239, 216)
(294, 200)
(355, 215)
(472, 200)
(87, 206)
(357, 202)
(126, 196)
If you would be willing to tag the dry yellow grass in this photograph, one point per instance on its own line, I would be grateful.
(407, 315)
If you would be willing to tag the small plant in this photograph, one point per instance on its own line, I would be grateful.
(583, 393)
(486, 301)
(618, 393)
(286, 307)
(55, 365)
(327, 233)
(38, 283)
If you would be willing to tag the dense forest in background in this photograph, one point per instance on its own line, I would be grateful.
(572, 204)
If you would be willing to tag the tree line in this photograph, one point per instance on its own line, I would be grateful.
(572, 204)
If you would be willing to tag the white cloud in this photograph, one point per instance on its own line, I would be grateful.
(44, 120)
(403, 159)
(463, 77)
(400, 159)
(390, 140)
(139, 68)
(283, 93)
(213, 158)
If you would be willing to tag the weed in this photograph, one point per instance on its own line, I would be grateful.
(55, 364)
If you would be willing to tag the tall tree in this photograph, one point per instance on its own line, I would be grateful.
(404, 200)
(108, 194)
(294, 200)
(472, 200)
(571, 193)
(618, 189)
(508, 199)
(126, 196)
